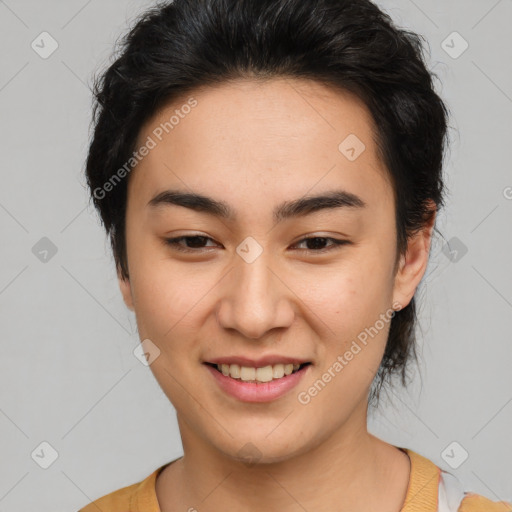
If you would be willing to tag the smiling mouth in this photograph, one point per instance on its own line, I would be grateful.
(258, 375)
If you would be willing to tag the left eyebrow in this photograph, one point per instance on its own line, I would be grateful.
(288, 209)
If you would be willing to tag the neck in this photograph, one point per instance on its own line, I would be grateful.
(350, 470)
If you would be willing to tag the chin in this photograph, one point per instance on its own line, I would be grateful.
(258, 448)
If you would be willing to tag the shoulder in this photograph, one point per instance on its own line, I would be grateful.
(476, 503)
(433, 488)
(137, 497)
(114, 502)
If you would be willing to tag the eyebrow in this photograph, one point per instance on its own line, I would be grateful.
(288, 209)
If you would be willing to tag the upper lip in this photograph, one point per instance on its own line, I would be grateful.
(257, 363)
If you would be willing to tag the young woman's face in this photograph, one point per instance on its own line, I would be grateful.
(253, 288)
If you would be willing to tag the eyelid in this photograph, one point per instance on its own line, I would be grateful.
(335, 243)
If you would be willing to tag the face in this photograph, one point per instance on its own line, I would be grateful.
(265, 273)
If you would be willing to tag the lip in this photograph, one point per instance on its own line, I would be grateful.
(257, 392)
(257, 363)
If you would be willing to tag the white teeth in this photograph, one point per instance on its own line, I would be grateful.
(278, 371)
(264, 374)
(234, 371)
(247, 373)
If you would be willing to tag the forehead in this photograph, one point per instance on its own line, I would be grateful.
(260, 141)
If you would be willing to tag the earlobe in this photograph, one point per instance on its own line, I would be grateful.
(126, 291)
(413, 264)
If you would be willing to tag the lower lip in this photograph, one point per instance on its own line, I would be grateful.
(257, 392)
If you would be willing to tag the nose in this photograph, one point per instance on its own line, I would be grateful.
(255, 299)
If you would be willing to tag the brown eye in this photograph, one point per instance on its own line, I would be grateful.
(194, 243)
(316, 244)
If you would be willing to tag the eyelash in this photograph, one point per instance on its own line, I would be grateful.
(336, 244)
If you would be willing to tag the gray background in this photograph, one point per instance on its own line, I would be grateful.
(68, 375)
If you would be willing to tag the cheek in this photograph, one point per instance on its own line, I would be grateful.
(165, 299)
(354, 305)
(348, 295)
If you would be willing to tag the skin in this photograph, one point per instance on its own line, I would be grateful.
(253, 145)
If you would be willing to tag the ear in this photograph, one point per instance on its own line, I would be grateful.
(412, 266)
(126, 290)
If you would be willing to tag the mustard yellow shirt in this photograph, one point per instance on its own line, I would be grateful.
(421, 496)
